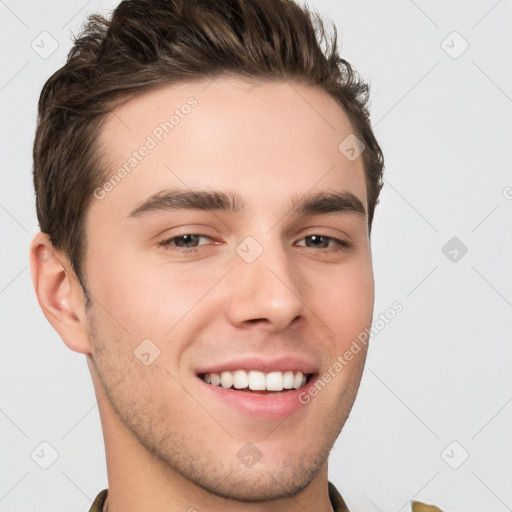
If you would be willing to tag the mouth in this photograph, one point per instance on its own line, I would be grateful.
(259, 388)
(258, 382)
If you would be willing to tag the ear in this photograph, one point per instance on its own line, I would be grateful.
(59, 293)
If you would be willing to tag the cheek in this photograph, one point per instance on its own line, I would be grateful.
(344, 300)
(147, 299)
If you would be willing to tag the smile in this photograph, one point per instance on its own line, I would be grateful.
(254, 380)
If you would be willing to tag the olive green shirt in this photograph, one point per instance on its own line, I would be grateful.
(337, 502)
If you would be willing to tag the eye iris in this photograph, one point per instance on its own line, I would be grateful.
(187, 239)
(314, 238)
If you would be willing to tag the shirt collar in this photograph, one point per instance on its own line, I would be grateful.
(337, 502)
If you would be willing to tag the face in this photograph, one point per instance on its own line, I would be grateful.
(234, 247)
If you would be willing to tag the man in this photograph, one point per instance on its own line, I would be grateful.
(206, 178)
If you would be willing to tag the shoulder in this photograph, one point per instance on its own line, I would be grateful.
(98, 503)
(417, 506)
(338, 504)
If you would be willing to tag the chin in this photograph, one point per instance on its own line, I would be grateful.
(260, 485)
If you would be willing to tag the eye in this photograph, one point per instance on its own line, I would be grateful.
(183, 243)
(322, 242)
(189, 243)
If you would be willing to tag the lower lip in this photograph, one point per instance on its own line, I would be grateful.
(269, 407)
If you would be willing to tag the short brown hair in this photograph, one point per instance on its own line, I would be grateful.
(152, 42)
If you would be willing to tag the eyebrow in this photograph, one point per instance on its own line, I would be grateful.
(318, 203)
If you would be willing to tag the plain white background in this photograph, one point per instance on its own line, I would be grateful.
(433, 417)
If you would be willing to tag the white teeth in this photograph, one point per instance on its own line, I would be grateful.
(240, 379)
(256, 380)
(274, 381)
(297, 380)
(226, 379)
(288, 380)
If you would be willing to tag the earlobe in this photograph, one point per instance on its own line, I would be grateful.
(59, 293)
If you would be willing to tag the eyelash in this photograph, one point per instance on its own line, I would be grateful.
(167, 244)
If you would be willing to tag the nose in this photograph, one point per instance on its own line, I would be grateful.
(266, 291)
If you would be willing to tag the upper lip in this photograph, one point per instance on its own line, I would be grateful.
(285, 362)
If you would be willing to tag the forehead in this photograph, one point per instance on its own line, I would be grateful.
(231, 133)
